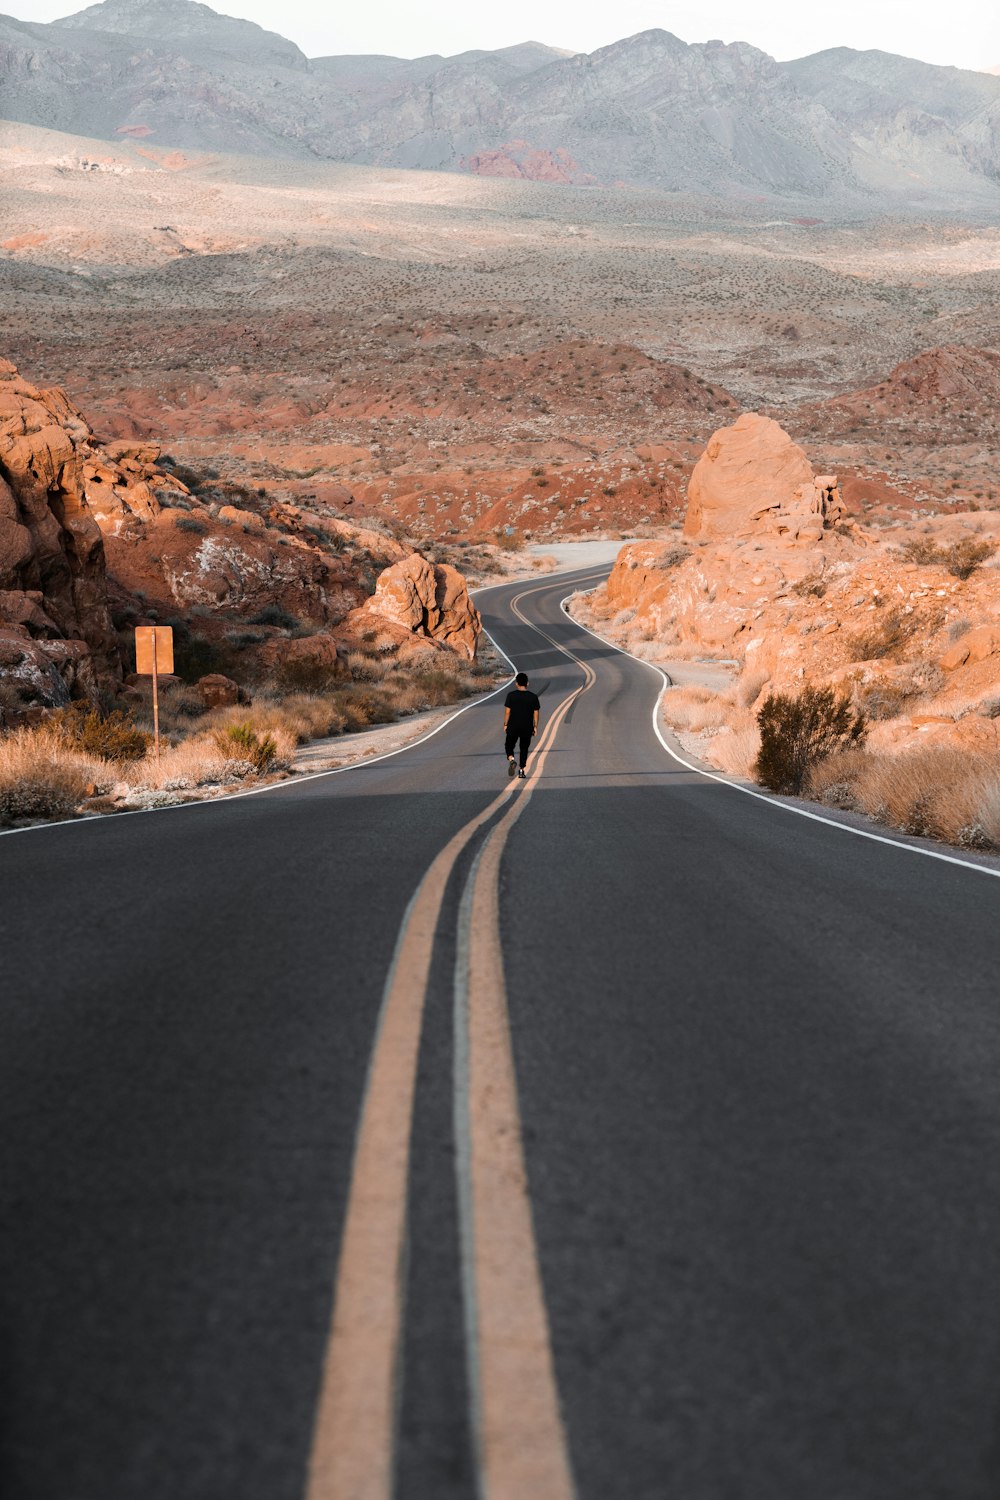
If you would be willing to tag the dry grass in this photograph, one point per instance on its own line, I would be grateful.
(961, 559)
(45, 775)
(695, 708)
(736, 747)
(194, 763)
(887, 635)
(941, 792)
(749, 686)
(40, 777)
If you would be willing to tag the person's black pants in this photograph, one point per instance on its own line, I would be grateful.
(513, 736)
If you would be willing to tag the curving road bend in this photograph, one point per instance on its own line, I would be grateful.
(409, 1132)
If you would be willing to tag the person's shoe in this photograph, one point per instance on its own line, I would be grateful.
(511, 766)
(521, 775)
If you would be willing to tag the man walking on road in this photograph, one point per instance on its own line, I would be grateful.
(520, 722)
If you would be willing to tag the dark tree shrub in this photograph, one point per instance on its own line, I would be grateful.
(797, 732)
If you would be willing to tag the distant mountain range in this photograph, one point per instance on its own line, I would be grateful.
(650, 111)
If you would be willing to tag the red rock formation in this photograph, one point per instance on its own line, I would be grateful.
(752, 476)
(746, 469)
(533, 164)
(79, 520)
(426, 601)
(56, 635)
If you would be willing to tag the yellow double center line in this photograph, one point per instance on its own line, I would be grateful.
(519, 1436)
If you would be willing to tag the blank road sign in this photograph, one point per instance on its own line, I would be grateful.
(144, 649)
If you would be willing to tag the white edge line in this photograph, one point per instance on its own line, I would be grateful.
(861, 833)
(293, 781)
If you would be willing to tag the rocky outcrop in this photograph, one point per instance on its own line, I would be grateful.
(775, 580)
(56, 635)
(96, 536)
(426, 601)
(518, 159)
(753, 476)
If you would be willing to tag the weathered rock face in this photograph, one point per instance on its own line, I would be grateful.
(81, 523)
(57, 637)
(426, 601)
(747, 470)
(797, 593)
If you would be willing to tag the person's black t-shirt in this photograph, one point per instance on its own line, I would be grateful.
(523, 706)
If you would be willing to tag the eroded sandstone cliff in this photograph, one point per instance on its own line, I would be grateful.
(95, 539)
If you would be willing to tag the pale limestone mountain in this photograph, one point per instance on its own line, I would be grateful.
(186, 25)
(649, 111)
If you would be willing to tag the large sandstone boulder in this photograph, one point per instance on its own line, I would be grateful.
(425, 600)
(57, 632)
(747, 470)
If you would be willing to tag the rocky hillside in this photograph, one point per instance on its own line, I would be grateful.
(776, 582)
(649, 110)
(95, 539)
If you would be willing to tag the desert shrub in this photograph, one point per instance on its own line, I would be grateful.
(672, 558)
(241, 639)
(365, 666)
(114, 736)
(940, 792)
(433, 687)
(796, 732)
(242, 742)
(198, 657)
(191, 523)
(180, 703)
(364, 706)
(314, 715)
(922, 550)
(833, 779)
(193, 763)
(273, 614)
(936, 792)
(307, 674)
(961, 559)
(810, 587)
(885, 699)
(42, 778)
(988, 814)
(885, 636)
(927, 678)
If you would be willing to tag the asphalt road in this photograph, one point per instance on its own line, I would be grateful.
(272, 1205)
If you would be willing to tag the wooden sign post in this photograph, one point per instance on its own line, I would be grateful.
(154, 653)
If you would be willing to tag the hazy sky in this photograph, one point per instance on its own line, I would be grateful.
(962, 32)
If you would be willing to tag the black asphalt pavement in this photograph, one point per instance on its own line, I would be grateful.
(757, 1060)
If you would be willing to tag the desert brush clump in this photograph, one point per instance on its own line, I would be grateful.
(883, 698)
(938, 792)
(241, 742)
(961, 559)
(110, 736)
(797, 731)
(694, 708)
(41, 777)
(887, 635)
